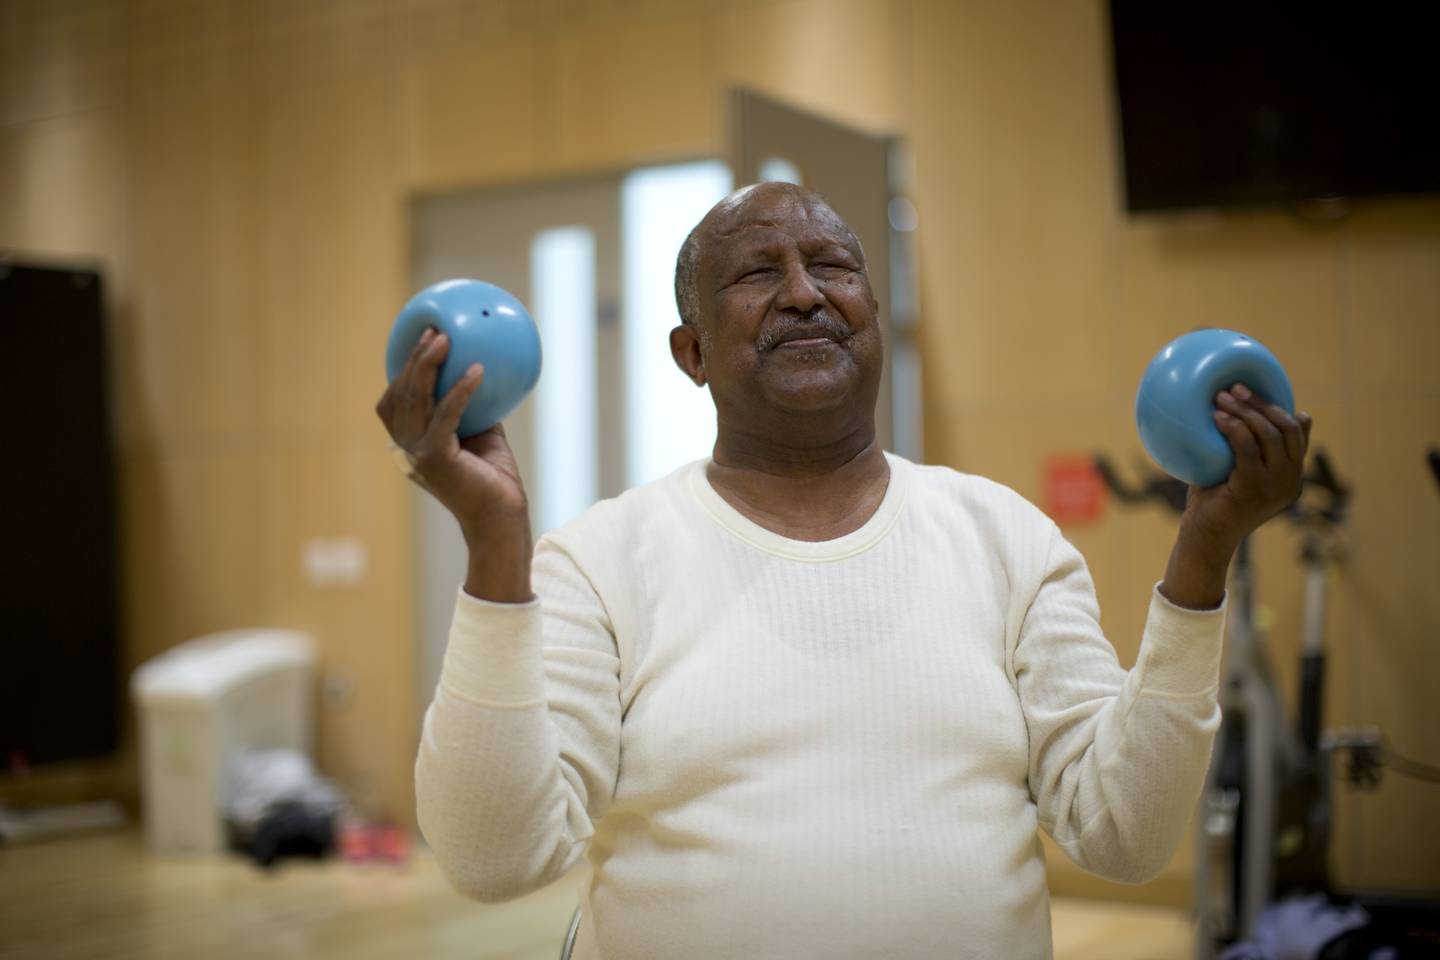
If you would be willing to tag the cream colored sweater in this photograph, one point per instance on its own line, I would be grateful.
(770, 748)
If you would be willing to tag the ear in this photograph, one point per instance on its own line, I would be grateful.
(685, 348)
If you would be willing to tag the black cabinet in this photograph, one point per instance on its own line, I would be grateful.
(60, 682)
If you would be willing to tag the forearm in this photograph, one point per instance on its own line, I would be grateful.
(1153, 745)
(490, 796)
(1195, 575)
(1123, 804)
(1118, 757)
(521, 747)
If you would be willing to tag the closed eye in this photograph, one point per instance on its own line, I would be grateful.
(755, 274)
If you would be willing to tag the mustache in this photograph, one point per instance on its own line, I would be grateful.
(819, 324)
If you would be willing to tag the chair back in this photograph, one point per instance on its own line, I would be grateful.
(568, 947)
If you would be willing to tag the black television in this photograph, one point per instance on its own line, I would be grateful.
(1228, 103)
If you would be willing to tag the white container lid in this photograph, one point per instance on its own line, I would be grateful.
(206, 668)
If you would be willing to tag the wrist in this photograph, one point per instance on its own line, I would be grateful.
(1206, 547)
(499, 570)
(1195, 577)
(498, 585)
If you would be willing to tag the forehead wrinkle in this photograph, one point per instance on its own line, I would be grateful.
(749, 225)
(727, 220)
(771, 242)
(741, 228)
(817, 232)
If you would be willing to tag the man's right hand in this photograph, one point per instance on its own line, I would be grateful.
(476, 479)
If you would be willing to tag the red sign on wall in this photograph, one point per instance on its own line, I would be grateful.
(1072, 489)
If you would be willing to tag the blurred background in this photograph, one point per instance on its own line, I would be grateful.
(211, 211)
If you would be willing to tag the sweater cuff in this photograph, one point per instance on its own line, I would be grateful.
(494, 655)
(1180, 651)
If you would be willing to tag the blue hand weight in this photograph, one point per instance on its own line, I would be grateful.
(485, 325)
(1175, 406)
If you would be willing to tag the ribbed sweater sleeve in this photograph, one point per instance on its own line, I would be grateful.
(1116, 759)
(520, 748)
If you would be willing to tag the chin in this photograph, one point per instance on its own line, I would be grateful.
(819, 392)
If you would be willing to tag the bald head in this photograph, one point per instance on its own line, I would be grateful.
(741, 210)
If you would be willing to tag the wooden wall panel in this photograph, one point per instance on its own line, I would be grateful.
(321, 42)
(61, 190)
(473, 118)
(1273, 277)
(632, 94)
(1391, 252)
(840, 58)
(61, 58)
(189, 370)
(193, 551)
(192, 343)
(332, 254)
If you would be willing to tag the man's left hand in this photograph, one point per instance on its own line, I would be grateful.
(1269, 446)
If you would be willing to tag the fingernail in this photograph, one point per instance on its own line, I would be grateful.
(1224, 397)
(1242, 391)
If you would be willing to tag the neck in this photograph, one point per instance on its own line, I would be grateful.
(794, 456)
(806, 487)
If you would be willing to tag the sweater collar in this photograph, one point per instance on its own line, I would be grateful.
(852, 543)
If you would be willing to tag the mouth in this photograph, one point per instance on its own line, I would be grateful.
(804, 343)
(807, 338)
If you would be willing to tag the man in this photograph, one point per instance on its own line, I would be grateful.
(807, 699)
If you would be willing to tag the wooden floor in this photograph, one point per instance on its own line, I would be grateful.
(103, 895)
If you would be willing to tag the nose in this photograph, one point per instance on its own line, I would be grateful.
(798, 290)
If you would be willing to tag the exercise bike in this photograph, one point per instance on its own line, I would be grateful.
(1265, 813)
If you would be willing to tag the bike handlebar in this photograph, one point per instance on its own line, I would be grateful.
(1171, 492)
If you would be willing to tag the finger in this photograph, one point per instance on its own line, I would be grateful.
(1305, 424)
(452, 406)
(390, 400)
(1248, 462)
(1291, 436)
(416, 352)
(1271, 444)
(385, 408)
(427, 365)
(417, 397)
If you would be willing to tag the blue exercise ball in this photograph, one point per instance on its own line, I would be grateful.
(485, 325)
(1175, 406)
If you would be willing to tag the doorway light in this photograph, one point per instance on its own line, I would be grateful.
(562, 285)
(669, 422)
(780, 170)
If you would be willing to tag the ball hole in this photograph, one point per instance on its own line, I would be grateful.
(484, 313)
